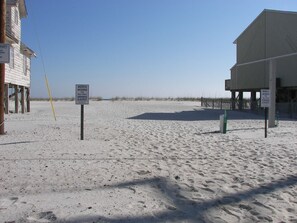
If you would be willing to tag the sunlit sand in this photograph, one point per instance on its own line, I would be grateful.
(146, 162)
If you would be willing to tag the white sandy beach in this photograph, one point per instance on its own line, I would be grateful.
(145, 162)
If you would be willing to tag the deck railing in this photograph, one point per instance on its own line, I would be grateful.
(288, 109)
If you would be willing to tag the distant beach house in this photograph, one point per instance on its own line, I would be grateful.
(272, 34)
(17, 72)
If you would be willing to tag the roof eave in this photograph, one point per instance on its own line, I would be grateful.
(264, 11)
(234, 66)
(27, 50)
(23, 9)
(21, 5)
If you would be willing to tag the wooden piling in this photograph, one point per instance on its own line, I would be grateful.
(16, 98)
(23, 99)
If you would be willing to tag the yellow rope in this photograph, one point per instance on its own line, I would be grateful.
(50, 96)
(43, 64)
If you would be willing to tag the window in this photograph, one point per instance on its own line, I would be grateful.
(16, 16)
(25, 65)
(11, 62)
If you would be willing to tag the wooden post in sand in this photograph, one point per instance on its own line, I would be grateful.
(2, 65)
(6, 89)
(16, 98)
(23, 99)
(28, 99)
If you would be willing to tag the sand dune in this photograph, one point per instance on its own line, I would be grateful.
(146, 162)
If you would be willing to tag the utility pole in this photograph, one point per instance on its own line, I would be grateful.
(2, 65)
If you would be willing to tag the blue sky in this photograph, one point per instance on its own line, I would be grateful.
(133, 48)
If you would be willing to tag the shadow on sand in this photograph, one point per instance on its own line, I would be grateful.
(15, 143)
(184, 209)
(198, 115)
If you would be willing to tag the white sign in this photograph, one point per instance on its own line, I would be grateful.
(81, 94)
(265, 98)
(4, 53)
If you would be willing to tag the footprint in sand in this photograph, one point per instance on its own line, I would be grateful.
(6, 202)
(47, 216)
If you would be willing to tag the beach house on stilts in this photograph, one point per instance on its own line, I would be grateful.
(17, 72)
(272, 36)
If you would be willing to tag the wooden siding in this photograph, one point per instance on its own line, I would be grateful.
(16, 75)
(8, 21)
(13, 27)
(16, 26)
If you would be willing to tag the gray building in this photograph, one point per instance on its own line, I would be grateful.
(272, 34)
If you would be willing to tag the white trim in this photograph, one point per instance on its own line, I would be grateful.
(267, 59)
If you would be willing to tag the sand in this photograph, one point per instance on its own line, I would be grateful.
(146, 162)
